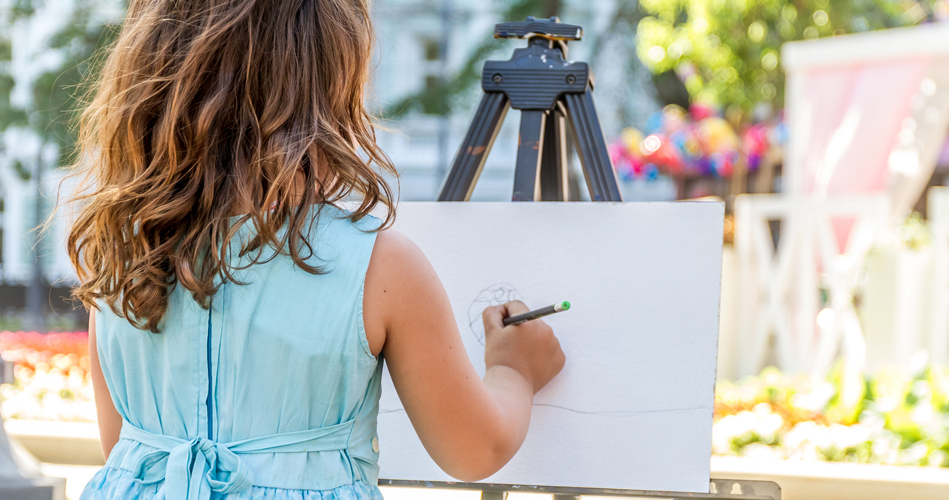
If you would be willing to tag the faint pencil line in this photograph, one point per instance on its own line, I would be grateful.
(602, 413)
(624, 413)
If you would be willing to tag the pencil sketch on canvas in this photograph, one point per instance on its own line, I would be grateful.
(494, 295)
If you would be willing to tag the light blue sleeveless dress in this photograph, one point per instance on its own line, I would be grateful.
(272, 394)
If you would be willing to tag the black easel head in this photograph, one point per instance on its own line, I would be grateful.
(551, 29)
(550, 91)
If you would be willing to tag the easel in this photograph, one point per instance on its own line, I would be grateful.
(549, 91)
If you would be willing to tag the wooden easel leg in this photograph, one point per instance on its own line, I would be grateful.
(493, 495)
(591, 146)
(468, 162)
(553, 162)
(530, 147)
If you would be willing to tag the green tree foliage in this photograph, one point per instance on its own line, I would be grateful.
(728, 51)
(58, 93)
(440, 100)
(8, 114)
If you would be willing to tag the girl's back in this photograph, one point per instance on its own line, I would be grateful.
(241, 354)
(276, 358)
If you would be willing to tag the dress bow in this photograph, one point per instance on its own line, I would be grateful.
(193, 468)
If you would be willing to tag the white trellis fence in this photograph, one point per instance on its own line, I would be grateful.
(938, 212)
(818, 250)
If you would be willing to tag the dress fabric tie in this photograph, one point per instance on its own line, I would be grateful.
(193, 468)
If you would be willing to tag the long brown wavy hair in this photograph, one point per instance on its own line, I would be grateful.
(207, 109)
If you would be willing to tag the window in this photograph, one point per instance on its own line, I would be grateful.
(433, 50)
(432, 84)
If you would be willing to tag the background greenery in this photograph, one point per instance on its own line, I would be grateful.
(58, 92)
(720, 52)
(728, 52)
(725, 53)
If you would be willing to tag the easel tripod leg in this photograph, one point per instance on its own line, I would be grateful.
(493, 495)
(468, 162)
(553, 164)
(530, 146)
(601, 179)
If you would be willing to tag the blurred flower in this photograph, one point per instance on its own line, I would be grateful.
(697, 142)
(890, 418)
(52, 379)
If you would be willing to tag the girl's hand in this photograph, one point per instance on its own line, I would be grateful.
(529, 348)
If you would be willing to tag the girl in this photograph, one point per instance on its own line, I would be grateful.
(238, 316)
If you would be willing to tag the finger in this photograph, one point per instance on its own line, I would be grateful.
(515, 307)
(493, 315)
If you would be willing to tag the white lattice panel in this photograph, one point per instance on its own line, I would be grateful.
(938, 212)
(781, 284)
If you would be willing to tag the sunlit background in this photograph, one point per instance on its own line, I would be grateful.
(822, 124)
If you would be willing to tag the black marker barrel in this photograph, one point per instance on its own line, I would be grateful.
(539, 313)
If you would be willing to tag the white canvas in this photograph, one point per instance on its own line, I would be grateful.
(632, 408)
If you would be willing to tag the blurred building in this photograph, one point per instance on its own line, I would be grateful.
(39, 42)
(38, 36)
(419, 43)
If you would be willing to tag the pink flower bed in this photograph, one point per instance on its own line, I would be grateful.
(52, 376)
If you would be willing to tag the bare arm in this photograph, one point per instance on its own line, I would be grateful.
(470, 427)
(110, 422)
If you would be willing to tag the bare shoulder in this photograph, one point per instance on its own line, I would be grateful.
(397, 275)
(397, 262)
(391, 245)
